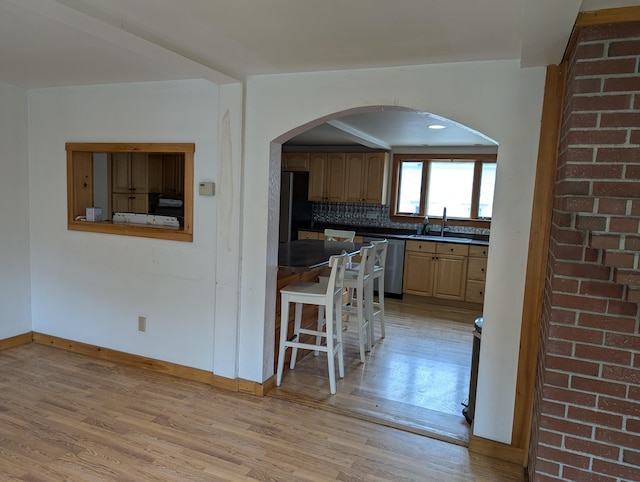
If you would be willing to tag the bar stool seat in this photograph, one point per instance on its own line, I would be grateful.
(328, 297)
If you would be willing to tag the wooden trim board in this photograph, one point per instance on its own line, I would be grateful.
(496, 450)
(16, 340)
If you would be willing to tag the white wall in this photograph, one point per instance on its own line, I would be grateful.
(15, 299)
(496, 98)
(91, 287)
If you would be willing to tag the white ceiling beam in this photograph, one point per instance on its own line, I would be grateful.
(545, 36)
(359, 136)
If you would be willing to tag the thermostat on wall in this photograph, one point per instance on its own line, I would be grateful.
(207, 188)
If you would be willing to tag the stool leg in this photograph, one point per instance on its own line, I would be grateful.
(284, 328)
(321, 321)
(330, 350)
(339, 338)
(381, 303)
(368, 303)
(361, 325)
(296, 333)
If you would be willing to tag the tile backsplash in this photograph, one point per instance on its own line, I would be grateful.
(372, 215)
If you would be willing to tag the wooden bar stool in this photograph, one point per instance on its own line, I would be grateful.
(328, 297)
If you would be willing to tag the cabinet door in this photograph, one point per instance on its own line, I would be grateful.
(354, 177)
(120, 172)
(155, 173)
(374, 184)
(334, 182)
(172, 169)
(450, 277)
(120, 202)
(475, 291)
(295, 161)
(418, 273)
(139, 172)
(317, 175)
(139, 203)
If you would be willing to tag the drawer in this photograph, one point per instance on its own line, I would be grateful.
(479, 251)
(477, 269)
(450, 248)
(475, 291)
(307, 235)
(420, 246)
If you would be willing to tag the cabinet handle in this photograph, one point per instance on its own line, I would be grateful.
(482, 269)
(452, 250)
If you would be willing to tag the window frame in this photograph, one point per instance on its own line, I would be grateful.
(426, 159)
(78, 151)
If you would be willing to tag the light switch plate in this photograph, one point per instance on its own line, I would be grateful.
(207, 188)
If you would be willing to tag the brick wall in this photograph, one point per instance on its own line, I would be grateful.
(587, 404)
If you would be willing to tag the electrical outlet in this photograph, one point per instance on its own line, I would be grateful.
(142, 323)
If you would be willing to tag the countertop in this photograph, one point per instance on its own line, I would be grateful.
(307, 254)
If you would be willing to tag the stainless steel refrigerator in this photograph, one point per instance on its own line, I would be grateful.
(295, 207)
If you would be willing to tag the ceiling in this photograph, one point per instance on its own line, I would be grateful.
(45, 43)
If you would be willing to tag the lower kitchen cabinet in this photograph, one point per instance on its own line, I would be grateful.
(435, 269)
(476, 274)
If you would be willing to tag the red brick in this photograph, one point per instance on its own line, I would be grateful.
(629, 342)
(607, 322)
(571, 365)
(602, 67)
(634, 393)
(556, 379)
(608, 32)
(596, 353)
(618, 154)
(602, 102)
(591, 255)
(582, 303)
(624, 48)
(620, 119)
(634, 137)
(623, 225)
(579, 154)
(548, 467)
(618, 259)
(620, 84)
(604, 241)
(618, 438)
(568, 252)
(593, 171)
(566, 427)
(579, 461)
(612, 205)
(633, 425)
(624, 375)
(622, 308)
(635, 206)
(583, 270)
(598, 386)
(590, 51)
(632, 172)
(618, 189)
(633, 294)
(607, 290)
(559, 347)
(600, 136)
(627, 277)
(576, 188)
(568, 236)
(615, 469)
(560, 218)
(563, 317)
(631, 457)
(571, 473)
(592, 448)
(591, 223)
(549, 438)
(580, 204)
(552, 408)
(632, 243)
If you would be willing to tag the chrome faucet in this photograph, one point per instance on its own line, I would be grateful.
(443, 225)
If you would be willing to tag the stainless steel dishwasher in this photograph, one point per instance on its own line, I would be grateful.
(394, 267)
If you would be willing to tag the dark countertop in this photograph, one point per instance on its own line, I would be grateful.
(404, 234)
(307, 254)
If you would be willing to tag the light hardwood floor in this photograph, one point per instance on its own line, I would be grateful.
(65, 416)
(414, 379)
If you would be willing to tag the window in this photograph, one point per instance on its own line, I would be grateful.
(139, 189)
(426, 184)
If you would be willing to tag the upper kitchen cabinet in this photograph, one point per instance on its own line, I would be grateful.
(365, 180)
(295, 161)
(326, 176)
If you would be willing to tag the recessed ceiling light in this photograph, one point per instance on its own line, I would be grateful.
(437, 126)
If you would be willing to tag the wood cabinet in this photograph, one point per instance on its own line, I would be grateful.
(365, 177)
(476, 274)
(295, 161)
(326, 176)
(172, 175)
(129, 182)
(435, 269)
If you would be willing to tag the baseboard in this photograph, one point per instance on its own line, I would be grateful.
(497, 450)
(182, 371)
(16, 340)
